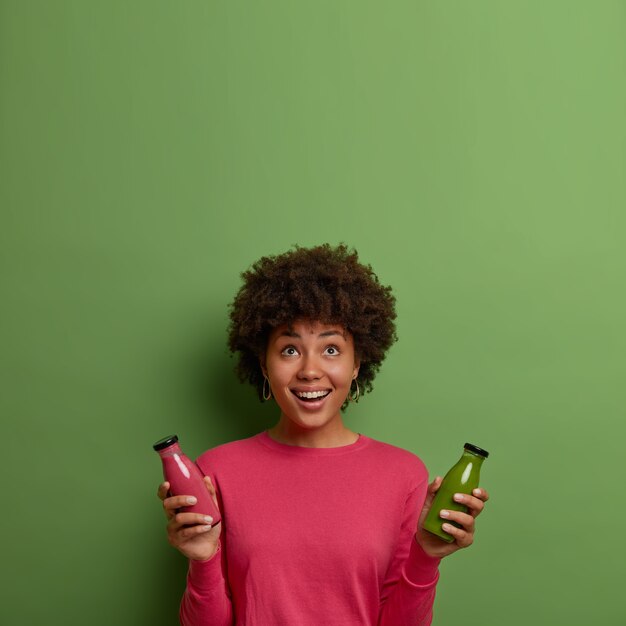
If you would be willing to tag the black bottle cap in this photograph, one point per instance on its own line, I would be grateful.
(165, 442)
(476, 450)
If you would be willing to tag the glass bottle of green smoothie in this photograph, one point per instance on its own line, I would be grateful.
(462, 478)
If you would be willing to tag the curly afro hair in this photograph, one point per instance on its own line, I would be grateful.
(323, 283)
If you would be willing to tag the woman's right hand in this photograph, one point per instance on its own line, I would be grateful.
(190, 533)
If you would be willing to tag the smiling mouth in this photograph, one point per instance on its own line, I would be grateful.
(311, 396)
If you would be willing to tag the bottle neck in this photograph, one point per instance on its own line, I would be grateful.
(474, 458)
(170, 450)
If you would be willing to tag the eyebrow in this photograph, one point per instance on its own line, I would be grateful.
(326, 333)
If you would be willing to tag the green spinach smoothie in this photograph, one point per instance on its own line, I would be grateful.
(462, 478)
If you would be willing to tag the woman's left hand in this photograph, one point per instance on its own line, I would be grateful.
(463, 537)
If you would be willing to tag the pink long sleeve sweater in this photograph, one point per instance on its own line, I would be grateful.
(314, 537)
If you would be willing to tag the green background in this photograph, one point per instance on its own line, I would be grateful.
(473, 152)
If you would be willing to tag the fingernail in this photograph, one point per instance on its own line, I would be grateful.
(477, 492)
(206, 528)
(191, 500)
(446, 527)
(208, 519)
(445, 513)
(458, 497)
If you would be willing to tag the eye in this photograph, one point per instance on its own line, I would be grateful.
(331, 351)
(289, 351)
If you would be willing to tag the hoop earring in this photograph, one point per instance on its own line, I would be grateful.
(354, 397)
(268, 395)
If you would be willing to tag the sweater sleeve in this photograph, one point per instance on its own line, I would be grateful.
(206, 601)
(408, 592)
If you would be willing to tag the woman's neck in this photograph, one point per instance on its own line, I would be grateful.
(313, 438)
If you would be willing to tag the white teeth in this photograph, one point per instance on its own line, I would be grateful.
(311, 394)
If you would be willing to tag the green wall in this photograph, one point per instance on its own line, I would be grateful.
(473, 152)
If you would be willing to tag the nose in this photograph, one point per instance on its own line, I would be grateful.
(309, 368)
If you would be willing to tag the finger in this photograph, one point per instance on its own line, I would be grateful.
(481, 494)
(475, 505)
(462, 537)
(170, 505)
(209, 486)
(432, 489)
(430, 492)
(434, 486)
(162, 490)
(192, 531)
(464, 519)
(211, 489)
(177, 535)
(189, 519)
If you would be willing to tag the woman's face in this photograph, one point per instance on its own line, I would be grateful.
(310, 367)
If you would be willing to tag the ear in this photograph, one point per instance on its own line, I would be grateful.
(263, 368)
(357, 365)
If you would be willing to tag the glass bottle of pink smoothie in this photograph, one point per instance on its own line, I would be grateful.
(461, 478)
(185, 478)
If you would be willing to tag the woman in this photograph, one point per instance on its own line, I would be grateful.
(321, 525)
